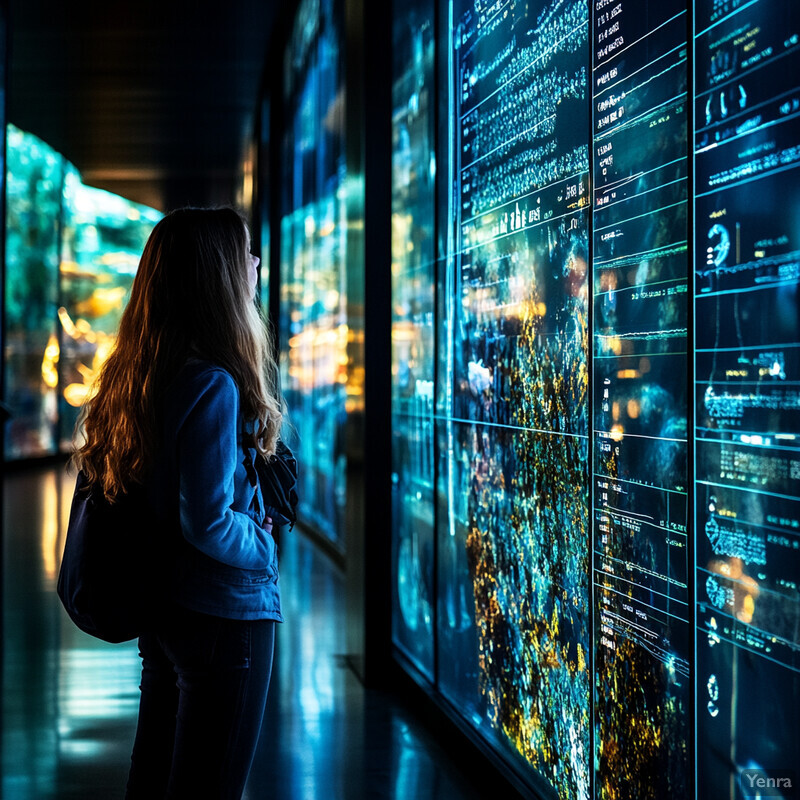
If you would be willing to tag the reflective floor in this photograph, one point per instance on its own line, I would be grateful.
(69, 701)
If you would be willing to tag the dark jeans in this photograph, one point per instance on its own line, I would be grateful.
(203, 692)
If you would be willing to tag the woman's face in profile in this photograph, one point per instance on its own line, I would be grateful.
(252, 269)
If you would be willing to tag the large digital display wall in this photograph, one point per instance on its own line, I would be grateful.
(595, 211)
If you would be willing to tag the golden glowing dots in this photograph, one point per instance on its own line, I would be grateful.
(79, 331)
(76, 393)
(738, 590)
(608, 280)
(404, 332)
(50, 529)
(67, 324)
(49, 362)
(102, 302)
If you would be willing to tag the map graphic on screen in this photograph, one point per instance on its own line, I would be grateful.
(513, 387)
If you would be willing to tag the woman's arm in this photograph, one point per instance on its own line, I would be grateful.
(207, 459)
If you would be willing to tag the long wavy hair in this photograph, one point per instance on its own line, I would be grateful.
(191, 297)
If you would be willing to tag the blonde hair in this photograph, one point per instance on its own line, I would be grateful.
(190, 298)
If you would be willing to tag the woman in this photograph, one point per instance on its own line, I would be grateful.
(183, 406)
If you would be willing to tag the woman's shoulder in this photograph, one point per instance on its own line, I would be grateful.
(198, 378)
(199, 370)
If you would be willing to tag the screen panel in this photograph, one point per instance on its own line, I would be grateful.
(670, 712)
(747, 371)
(413, 331)
(72, 252)
(314, 292)
(102, 239)
(641, 549)
(512, 429)
(33, 205)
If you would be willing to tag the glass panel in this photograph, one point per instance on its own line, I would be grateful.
(747, 370)
(33, 208)
(316, 362)
(71, 252)
(264, 189)
(641, 548)
(503, 334)
(103, 236)
(413, 353)
(514, 539)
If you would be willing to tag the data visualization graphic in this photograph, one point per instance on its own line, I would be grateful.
(513, 386)
(640, 562)
(747, 390)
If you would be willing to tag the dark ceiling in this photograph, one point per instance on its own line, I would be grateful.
(152, 100)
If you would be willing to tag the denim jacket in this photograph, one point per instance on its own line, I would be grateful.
(225, 561)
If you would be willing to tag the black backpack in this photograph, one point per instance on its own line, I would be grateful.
(117, 556)
(111, 580)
